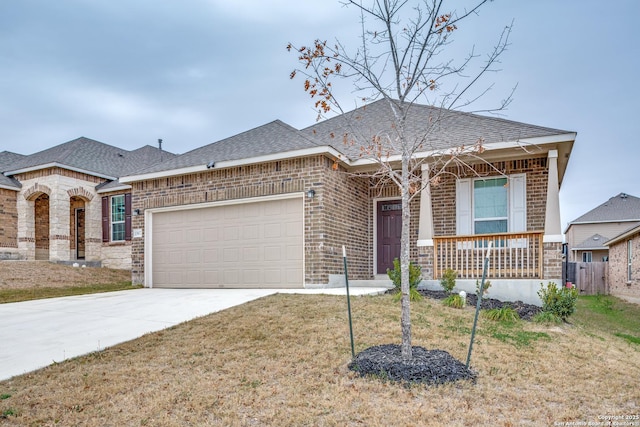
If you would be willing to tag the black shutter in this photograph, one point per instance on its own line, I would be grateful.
(127, 216)
(105, 219)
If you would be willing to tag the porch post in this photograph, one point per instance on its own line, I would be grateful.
(425, 225)
(552, 226)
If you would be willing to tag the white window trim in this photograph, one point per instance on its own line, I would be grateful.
(112, 222)
(584, 253)
(516, 204)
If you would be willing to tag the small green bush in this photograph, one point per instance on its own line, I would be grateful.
(448, 281)
(415, 277)
(546, 317)
(504, 314)
(560, 302)
(453, 300)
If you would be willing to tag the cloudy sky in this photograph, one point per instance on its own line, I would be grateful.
(195, 71)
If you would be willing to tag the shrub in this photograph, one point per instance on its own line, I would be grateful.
(453, 300)
(415, 277)
(546, 317)
(504, 314)
(560, 302)
(448, 281)
(487, 285)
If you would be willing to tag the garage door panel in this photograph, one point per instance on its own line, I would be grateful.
(254, 244)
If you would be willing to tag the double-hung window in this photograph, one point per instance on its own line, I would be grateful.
(586, 256)
(117, 218)
(491, 205)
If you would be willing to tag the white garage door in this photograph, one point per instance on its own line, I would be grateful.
(245, 245)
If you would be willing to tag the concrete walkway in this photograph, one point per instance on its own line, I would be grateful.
(34, 334)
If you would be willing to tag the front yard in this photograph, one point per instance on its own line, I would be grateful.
(282, 360)
(25, 280)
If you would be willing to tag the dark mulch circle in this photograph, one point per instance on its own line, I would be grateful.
(428, 367)
(525, 311)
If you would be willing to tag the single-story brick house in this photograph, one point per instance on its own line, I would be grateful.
(65, 203)
(272, 206)
(624, 264)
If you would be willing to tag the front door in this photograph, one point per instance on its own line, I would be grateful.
(79, 233)
(389, 230)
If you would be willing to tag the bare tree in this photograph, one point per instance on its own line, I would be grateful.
(402, 59)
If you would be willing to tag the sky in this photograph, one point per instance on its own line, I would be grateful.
(193, 72)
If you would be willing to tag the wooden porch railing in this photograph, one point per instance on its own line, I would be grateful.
(513, 255)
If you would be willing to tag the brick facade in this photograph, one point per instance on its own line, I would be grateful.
(337, 215)
(9, 221)
(619, 283)
(443, 195)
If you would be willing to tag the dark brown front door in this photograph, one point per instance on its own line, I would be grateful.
(389, 231)
(79, 233)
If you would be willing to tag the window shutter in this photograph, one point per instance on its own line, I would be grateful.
(464, 218)
(127, 216)
(105, 219)
(518, 202)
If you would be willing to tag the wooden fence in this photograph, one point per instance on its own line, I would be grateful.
(591, 278)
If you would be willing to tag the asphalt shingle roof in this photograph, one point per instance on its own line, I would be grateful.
(443, 128)
(7, 159)
(622, 207)
(92, 156)
(271, 138)
(593, 242)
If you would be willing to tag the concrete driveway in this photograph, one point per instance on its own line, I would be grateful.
(34, 334)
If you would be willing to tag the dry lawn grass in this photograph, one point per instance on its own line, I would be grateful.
(44, 274)
(282, 361)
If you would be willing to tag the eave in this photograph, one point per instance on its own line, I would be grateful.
(519, 148)
(59, 165)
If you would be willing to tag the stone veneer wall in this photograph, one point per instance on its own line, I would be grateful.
(335, 216)
(60, 185)
(619, 285)
(8, 224)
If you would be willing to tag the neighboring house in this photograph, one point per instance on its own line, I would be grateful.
(587, 234)
(66, 204)
(273, 206)
(624, 264)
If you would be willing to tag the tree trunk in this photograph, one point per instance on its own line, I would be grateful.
(405, 319)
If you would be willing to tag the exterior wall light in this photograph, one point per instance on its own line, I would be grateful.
(136, 212)
(311, 193)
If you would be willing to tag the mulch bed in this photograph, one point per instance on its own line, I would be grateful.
(525, 311)
(429, 367)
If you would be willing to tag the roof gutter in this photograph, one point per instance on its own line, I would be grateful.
(623, 236)
(112, 189)
(235, 163)
(332, 152)
(7, 187)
